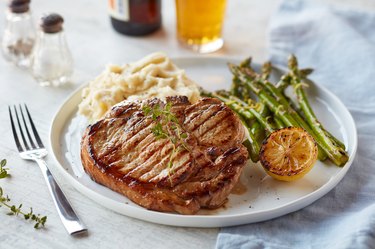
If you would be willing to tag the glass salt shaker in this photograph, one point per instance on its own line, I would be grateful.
(51, 61)
(19, 34)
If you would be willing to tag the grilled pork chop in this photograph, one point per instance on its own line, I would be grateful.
(122, 153)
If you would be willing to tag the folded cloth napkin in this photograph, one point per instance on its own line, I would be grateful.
(340, 45)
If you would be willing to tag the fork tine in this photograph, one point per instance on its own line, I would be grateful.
(36, 135)
(19, 147)
(20, 128)
(26, 128)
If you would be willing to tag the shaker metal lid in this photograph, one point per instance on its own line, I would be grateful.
(19, 6)
(51, 23)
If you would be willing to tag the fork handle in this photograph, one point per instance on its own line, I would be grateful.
(67, 215)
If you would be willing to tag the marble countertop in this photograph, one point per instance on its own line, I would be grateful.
(94, 44)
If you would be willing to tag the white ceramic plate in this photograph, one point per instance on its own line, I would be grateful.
(264, 197)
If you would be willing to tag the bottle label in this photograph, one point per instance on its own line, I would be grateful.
(119, 9)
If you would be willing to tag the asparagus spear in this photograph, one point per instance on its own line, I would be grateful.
(285, 82)
(266, 70)
(279, 123)
(236, 87)
(249, 81)
(281, 111)
(258, 131)
(337, 154)
(268, 126)
(277, 94)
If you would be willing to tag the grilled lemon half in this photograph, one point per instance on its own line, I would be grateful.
(288, 154)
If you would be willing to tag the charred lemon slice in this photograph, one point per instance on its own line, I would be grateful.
(288, 154)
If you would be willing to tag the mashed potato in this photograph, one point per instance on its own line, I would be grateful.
(153, 76)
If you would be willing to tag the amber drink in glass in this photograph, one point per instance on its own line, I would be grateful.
(199, 24)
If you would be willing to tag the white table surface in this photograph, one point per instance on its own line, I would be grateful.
(94, 44)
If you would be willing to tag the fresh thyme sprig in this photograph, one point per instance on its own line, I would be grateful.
(3, 170)
(16, 210)
(167, 127)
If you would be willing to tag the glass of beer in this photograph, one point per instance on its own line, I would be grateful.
(199, 24)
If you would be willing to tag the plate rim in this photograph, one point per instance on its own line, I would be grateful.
(192, 220)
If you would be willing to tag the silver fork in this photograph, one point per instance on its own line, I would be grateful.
(33, 149)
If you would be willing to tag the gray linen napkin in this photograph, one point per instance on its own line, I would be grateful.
(340, 45)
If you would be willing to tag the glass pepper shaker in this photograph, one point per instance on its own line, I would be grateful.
(19, 34)
(51, 61)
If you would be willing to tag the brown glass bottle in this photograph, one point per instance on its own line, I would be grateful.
(135, 17)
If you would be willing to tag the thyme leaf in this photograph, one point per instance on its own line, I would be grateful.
(3, 170)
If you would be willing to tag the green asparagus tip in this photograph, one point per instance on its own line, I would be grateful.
(232, 67)
(223, 93)
(266, 70)
(246, 62)
(292, 62)
(204, 92)
(267, 65)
